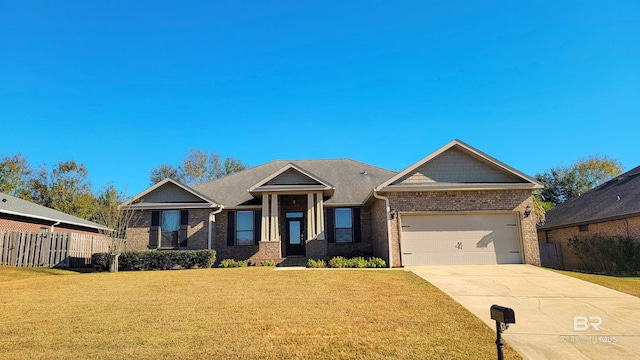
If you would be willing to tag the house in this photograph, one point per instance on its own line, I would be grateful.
(455, 206)
(612, 208)
(21, 215)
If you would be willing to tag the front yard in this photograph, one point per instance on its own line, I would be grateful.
(625, 284)
(246, 313)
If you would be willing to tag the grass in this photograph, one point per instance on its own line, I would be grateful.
(9, 273)
(625, 284)
(242, 313)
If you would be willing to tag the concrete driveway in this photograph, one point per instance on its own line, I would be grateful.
(546, 305)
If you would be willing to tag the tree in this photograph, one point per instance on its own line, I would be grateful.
(65, 189)
(115, 220)
(562, 183)
(14, 174)
(164, 171)
(197, 167)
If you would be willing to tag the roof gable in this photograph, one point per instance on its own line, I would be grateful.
(289, 178)
(169, 193)
(458, 166)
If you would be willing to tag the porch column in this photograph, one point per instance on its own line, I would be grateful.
(311, 217)
(274, 234)
(264, 235)
(320, 216)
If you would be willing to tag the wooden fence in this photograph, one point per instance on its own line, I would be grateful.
(551, 255)
(32, 249)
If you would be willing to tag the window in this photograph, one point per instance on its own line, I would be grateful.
(44, 230)
(583, 228)
(244, 228)
(169, 229)
(344, 226)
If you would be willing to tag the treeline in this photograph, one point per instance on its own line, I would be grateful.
(66, 187)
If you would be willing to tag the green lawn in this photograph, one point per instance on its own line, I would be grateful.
(625, 284)
(246, 313)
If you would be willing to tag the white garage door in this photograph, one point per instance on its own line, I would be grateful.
(460, 239)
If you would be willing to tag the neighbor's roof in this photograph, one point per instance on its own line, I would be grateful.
(19, 207)
(617, 198)
(353, 181)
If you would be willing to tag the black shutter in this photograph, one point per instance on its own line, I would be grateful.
(231, 228)
(154, 230)
(257, 226)
(357, 233)
(331, 225)
(184, 224)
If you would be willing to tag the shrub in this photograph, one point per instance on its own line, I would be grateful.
(376, 262)
(338, 262)
(230, 263)
(100, 261)
(311, 263)
(357, 262)
(268, 263)
(609, 254)
(157, 260)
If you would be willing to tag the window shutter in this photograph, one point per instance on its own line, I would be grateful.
(154, 230)
(231, 228)
(182, 232)
(357, 233)
(257, 226)
(331, 225)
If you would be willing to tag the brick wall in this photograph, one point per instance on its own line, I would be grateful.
(624, 227)
(197, 230)
(365, 247)
(457, 201)
(379, 235)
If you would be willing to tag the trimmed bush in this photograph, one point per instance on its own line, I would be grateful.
(311, 263)
(268, 263)
(608, 254)
(100, 261)
(357, 262)
(157, 260)
(230, 263)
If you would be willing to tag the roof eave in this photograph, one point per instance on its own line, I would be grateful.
(445, 187)
(592, 221)
(160, 206)
(97, 226)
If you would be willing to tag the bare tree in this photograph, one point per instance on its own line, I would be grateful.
(115, 220)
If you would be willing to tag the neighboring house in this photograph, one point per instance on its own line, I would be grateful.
(22, 215)
(612, 208)
(456, 206)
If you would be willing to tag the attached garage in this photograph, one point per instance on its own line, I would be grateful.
(447, 239)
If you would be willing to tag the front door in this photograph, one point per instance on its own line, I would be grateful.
(295, 233)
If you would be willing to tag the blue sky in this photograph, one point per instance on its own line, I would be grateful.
(124, 86)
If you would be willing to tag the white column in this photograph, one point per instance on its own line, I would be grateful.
(274, 234)
(311, 218)
(264, 236)
(320, 215)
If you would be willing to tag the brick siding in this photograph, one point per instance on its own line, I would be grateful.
(467, 201)
(624, 227)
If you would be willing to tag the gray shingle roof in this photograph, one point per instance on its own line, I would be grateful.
(16, 206)
(617, 198)
(346, 175)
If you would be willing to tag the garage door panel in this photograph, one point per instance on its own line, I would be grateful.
(460, 239)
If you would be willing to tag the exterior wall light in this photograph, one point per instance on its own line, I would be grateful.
(392, 213)
(527, 211)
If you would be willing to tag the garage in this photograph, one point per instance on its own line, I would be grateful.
(447, 239)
